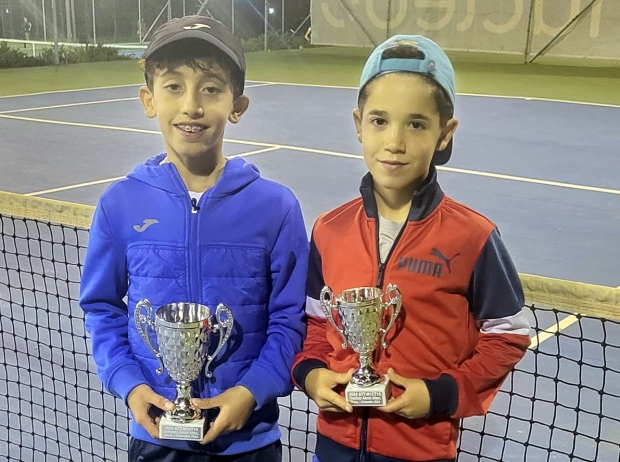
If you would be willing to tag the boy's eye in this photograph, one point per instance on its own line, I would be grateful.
(212, 90)
(173, 87)
(378, 121)
(417, 125)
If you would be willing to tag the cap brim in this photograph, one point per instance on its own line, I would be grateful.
(442, 157)
(200, 35)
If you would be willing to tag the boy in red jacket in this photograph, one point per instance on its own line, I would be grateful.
(461, 328)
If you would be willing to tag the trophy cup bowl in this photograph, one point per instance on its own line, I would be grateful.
(361, 312)
(182, 331)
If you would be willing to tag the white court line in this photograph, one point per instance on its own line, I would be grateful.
(75, 186)
(78, 124)
(261, 83)
(71, 90)
(476, 95)
(258, 151)
(546, 334)
(88, 103)
(531, 98)
(331, 153)
(321, 151)
(310, 85)
(52, 92)
(531, 180)
(85, 103)
(110, 180)
(156, 132)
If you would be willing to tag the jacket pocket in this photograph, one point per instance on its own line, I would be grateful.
(237, 275)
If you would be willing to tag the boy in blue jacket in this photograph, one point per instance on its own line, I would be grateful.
(191, 225)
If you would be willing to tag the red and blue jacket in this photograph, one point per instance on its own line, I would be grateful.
(461, 328)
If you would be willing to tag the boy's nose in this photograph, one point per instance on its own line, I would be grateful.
(395, 141)
(192, 107)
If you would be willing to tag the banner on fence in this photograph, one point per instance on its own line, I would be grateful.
(560, 28)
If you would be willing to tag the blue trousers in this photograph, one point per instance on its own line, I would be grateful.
(142, 451)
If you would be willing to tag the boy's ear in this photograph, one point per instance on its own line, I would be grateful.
(240, 105)
(357, 120)
(146, 96)
(446, 134)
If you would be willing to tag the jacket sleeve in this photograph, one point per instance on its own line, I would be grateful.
(316, 347)
(496, 302)
(269, 376)
(103, 288)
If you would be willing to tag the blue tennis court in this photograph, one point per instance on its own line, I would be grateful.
(544, 171)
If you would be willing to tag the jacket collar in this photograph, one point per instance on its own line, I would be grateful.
(237, 175)
(423, 202)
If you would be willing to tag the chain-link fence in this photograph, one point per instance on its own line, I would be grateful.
(133, 21)
(575, 32)
(582, 32)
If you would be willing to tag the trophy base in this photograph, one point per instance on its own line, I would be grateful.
(187, 431)
(371, 396)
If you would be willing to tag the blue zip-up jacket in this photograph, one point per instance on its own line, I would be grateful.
(243, 244)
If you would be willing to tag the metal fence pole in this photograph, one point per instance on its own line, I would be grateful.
(266, 23)
(74, 28)
(359, 23)
(68, 19)
(94, 23)
(140, 21)
(155, 22)
(55, 28)
(44, 21)
(559, 34)
(528, 38)
(294, 32)
(387, 20)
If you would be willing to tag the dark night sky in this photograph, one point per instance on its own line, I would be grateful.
(117, 19)
(249, 14)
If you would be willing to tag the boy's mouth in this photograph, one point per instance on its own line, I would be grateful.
(391, 165)
(191, 128)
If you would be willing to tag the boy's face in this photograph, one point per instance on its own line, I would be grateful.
(400, 130)
(192, 106)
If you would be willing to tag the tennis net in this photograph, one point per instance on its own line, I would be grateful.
(562, 402)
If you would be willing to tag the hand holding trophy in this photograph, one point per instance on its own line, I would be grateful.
(361, 312)
(182, 331)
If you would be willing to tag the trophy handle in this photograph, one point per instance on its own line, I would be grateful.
(147, 319)
(394, 303)
(326, 299)
(224, 326)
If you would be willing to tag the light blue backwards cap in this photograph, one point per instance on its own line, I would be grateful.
(434, 64)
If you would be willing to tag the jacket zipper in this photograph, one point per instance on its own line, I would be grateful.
(379, 284)
(194, 279)
(193, 282)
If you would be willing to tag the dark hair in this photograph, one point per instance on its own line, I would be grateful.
(442, 100)
(192, 53)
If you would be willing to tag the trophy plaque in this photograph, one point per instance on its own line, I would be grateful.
(182, 331)
(361, 312)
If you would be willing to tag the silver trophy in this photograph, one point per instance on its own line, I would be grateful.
(361, 312)
(182, 331)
